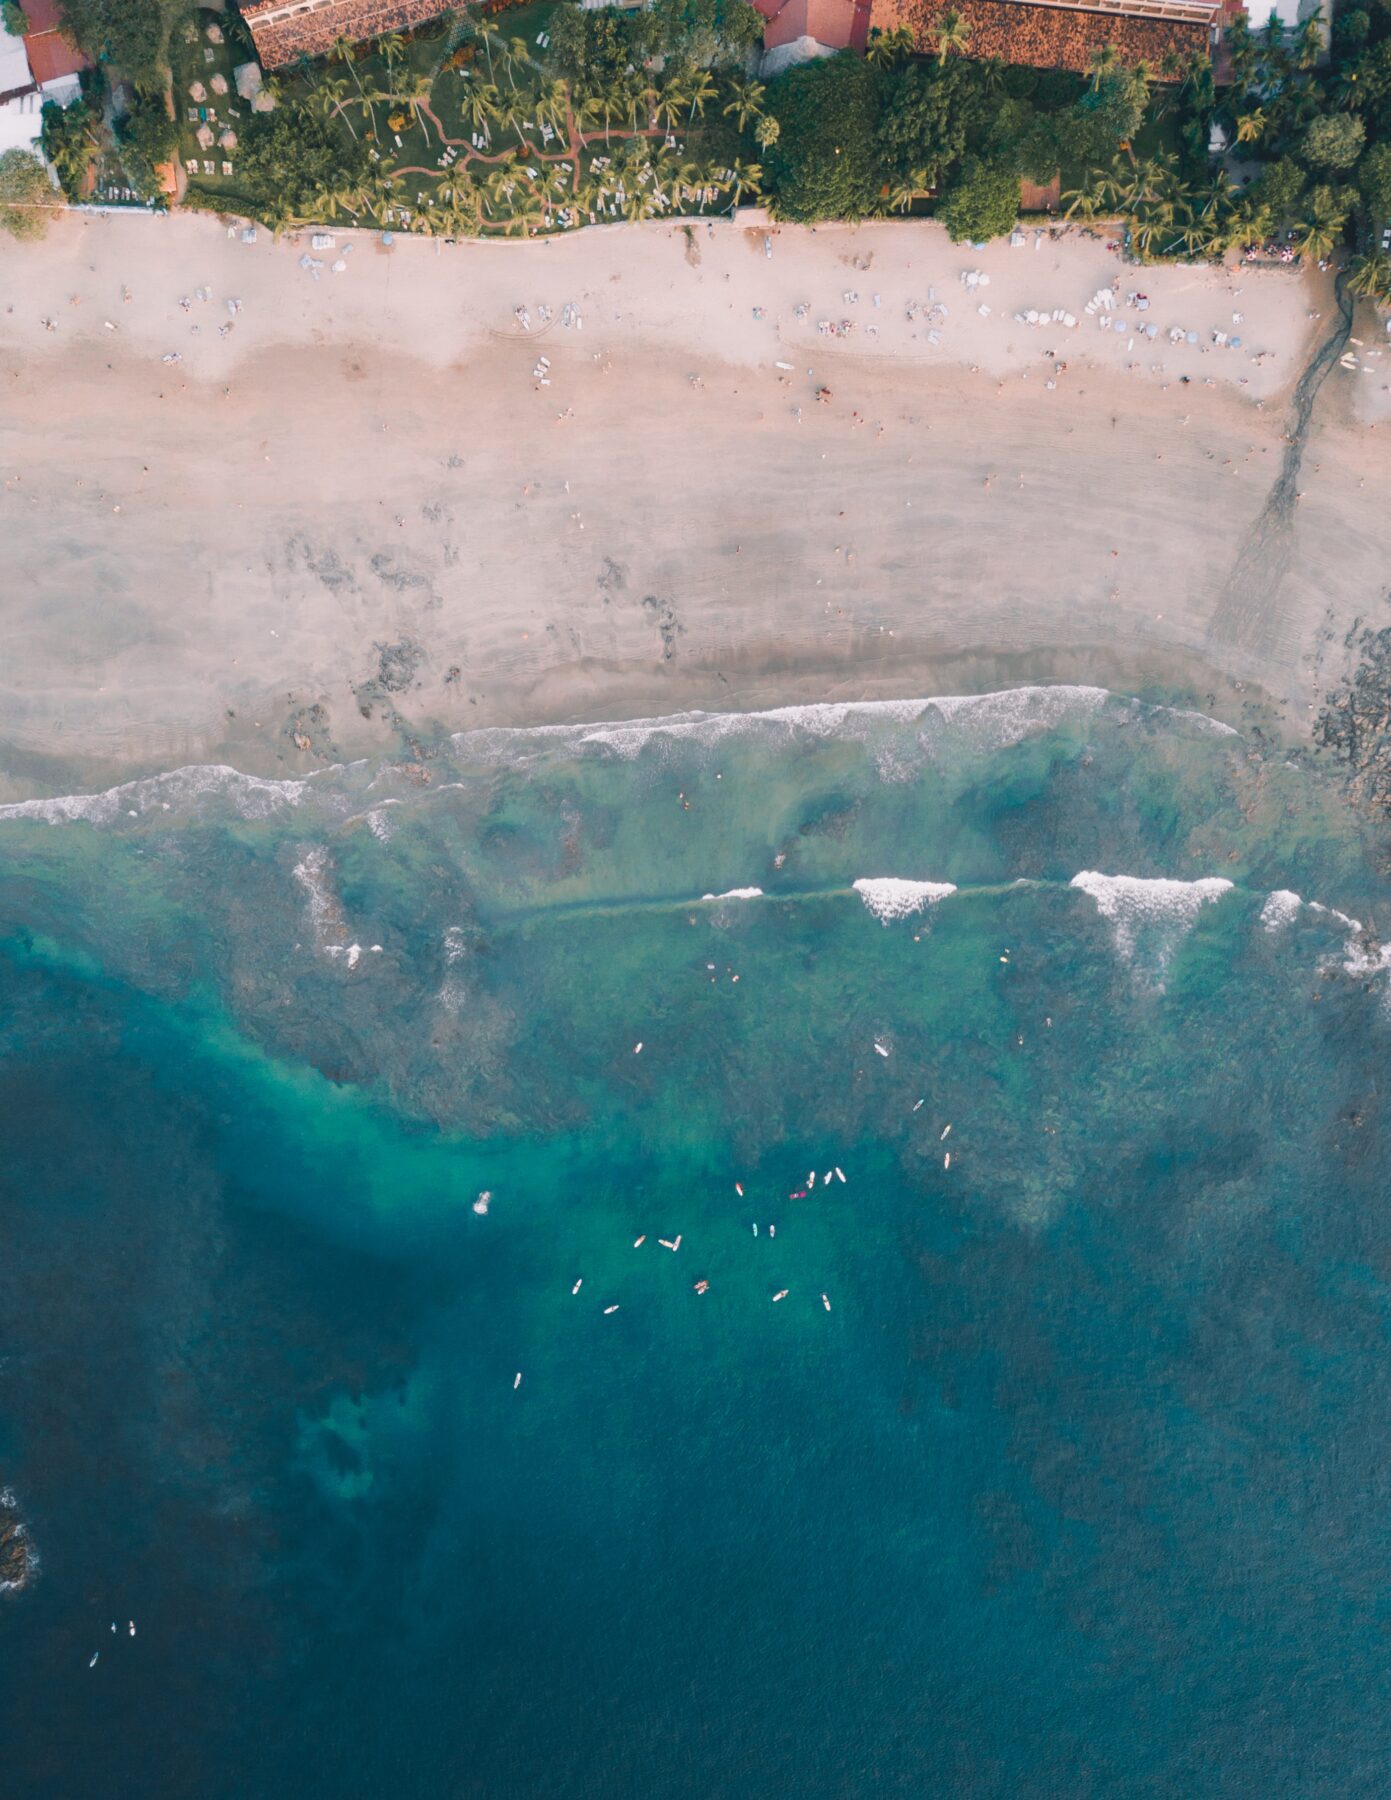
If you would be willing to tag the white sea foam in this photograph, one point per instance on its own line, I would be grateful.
(736, 894)
(1160, 912)
(888, 897)
(987, 721)
(981, 721)
(1281, 909)
(250, 797)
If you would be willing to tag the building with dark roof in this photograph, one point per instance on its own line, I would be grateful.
(1063, 34)
(285, 30)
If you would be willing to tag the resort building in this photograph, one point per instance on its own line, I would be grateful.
(285, 30)
(52, 58)
(1066, 34)
(38, 67)
(797, 30)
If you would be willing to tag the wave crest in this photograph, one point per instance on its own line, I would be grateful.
(889, 897)
(1149, 917)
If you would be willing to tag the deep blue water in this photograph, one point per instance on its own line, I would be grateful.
(1080, 1486)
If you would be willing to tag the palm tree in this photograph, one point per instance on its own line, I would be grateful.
(482, 104)
(501, 182)
(745, 102)
(1241, 48)
(278, 214)
(1251, 126)
(702, 90)
(1198, 80)
(600, 106)
(1084, 202)
(1149, 179)
(905, 190)
(889, 47)
(485, 30)
(744, 178)
(552, 105)
(392, 48)
(767, 132)
(415, 91)
(327, 100)
(1307, 47)
(670, 102)
(1217, 199)
(952, 30)
(1316, 237)
(527, 217)
(1248, 223)
(1370, 276)
(344, 51)
(515, 56)
(1100, 64)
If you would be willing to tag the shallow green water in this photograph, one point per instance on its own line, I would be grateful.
(1058, 1469)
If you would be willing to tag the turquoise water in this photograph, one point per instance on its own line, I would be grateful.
(1060, 1468)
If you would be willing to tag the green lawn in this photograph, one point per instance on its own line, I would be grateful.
(195, 59)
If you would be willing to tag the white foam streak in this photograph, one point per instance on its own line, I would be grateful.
(736, 894)
(889, 897)
(988, 721)
(251, 797)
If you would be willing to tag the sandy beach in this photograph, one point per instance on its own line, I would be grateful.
(370, 505)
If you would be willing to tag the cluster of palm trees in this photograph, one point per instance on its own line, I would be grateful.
(1169, 216)
(541, 153)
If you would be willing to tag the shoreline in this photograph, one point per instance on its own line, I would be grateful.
(365, 500)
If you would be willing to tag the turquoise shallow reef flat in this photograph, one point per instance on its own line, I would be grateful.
(836, 1253)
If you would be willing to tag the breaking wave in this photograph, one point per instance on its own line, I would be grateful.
(1281, 909)
(1149, 917)
(250, 797)
(984, 722)
(889, 898)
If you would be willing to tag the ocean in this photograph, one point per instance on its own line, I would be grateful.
(840, 1252)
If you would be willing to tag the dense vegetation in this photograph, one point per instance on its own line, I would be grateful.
(477, 124)
(26, 194)
(133, 35)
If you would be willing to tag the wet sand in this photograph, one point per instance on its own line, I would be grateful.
(360, 518)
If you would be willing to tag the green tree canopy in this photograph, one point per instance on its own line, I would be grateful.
(1280, 190)
(132, 34)
(983, 202)
(1117, 99)
(930, 115)
(1334, 141)
(26, 194)
(294, 156)
(826, 162)
(1374, 184)
(706, 31)
(68, 142)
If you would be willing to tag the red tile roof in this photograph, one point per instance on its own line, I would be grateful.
(51, 55)
(839, 24)
(43, 15)
(1048, 36)
(284, 30)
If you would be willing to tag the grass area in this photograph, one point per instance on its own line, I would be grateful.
(199, 61)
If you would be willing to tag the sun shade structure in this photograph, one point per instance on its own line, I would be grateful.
(285, 30)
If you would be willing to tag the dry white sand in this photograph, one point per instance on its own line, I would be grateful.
(198, 552)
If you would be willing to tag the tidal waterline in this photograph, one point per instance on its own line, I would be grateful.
(1058, 1467)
